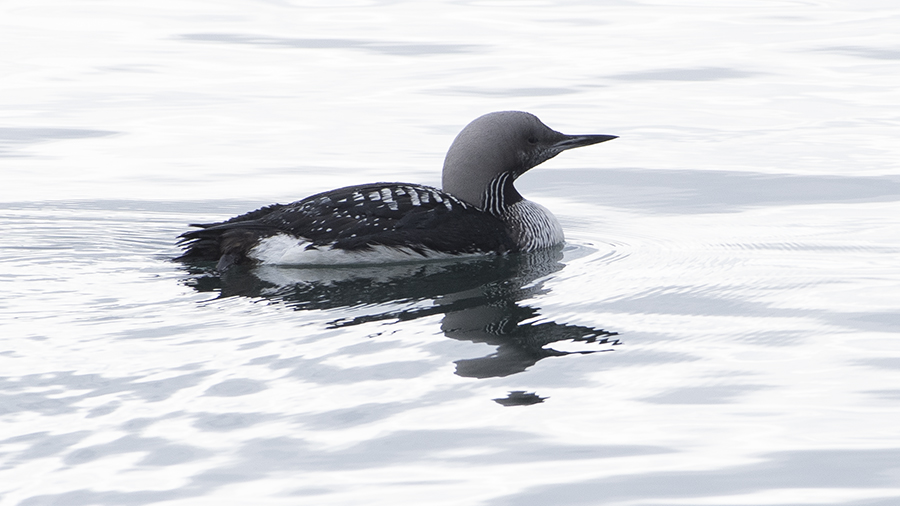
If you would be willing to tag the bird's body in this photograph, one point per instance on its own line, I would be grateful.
(479, 210)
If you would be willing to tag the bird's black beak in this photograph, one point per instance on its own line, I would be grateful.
(577, 141)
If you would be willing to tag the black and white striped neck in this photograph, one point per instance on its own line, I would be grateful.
(499, 194)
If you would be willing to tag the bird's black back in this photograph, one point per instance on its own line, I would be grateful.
(355, 218)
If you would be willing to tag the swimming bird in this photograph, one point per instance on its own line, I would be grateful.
(478, 211)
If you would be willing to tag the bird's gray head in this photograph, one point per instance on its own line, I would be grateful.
(502, 145)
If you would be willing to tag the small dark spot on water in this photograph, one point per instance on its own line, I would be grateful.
(520, 398)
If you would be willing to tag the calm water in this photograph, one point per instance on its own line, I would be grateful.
(721, 328)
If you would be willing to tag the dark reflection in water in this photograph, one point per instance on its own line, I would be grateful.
(520, 398)
(479, 298)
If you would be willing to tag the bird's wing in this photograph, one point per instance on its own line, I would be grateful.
(356, 218)
(391, 214)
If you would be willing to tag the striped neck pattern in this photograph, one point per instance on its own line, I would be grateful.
(500, 194)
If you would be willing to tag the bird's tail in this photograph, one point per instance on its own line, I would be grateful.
(225, 243)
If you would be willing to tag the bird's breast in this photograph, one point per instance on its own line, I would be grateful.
(532, 226)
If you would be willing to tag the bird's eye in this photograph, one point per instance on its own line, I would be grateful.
(532, 140)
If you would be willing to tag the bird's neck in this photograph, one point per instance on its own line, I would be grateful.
(499, 194)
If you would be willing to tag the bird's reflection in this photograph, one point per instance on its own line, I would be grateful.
(520, 398)
(479, 298)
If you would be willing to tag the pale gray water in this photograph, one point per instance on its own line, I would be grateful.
(721, 329)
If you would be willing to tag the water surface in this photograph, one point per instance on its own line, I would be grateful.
(721, 327)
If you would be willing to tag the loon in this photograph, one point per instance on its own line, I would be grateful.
(477, 212)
